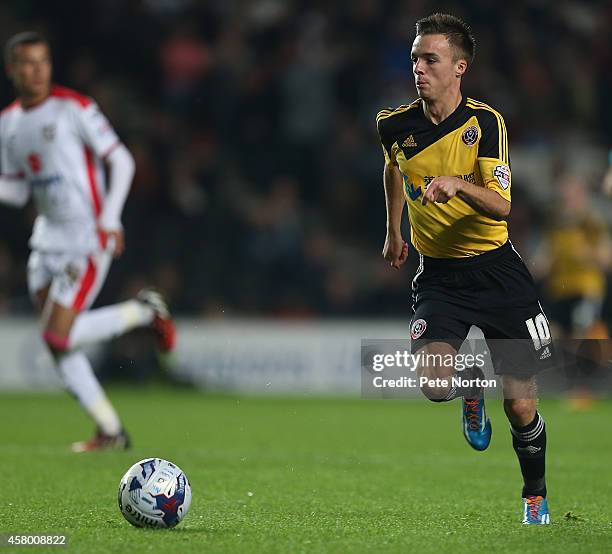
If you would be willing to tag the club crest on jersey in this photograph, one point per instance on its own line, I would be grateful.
(502, 174)
(418, 328)
(48, 132)
(470, 135)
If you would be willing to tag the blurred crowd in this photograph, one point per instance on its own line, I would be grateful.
(258, 188)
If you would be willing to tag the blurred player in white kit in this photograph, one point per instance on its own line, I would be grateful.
(53, 143)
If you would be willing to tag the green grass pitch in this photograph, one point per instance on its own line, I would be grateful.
(304, 475)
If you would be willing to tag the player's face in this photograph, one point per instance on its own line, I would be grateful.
(434, 67)
(30, 70)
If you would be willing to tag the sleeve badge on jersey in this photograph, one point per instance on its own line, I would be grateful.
(470, 135)
(502, 174)
(418, 328)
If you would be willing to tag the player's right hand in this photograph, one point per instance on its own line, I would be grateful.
(395, 250)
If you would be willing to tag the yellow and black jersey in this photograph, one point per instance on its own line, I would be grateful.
(471, 144)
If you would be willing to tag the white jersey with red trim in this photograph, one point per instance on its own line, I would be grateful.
(58, 147)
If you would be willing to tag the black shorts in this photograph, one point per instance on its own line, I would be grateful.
(493, 291)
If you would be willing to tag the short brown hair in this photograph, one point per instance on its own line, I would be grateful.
(27, 37)
(456, 31)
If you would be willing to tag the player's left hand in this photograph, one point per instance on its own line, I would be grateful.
(442, 189)
(117, 237)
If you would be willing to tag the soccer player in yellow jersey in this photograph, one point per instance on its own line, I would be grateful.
(446, 156)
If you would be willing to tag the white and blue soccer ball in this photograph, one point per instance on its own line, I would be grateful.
(154, 493)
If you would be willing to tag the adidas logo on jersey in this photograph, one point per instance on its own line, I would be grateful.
(409, 142)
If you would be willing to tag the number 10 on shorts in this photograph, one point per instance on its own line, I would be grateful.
(539, 330)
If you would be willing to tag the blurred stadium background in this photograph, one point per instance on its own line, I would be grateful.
(258, 190)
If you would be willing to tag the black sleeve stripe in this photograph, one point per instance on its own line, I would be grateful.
(502, 141)
(501, 125)
(507, 155)
(502, 135)
(500, 144)
(500, 138)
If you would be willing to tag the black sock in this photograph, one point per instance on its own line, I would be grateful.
(530, 446)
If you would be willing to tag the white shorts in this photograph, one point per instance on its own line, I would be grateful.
(75, 279)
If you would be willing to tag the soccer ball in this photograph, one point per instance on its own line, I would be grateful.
(154, 493)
